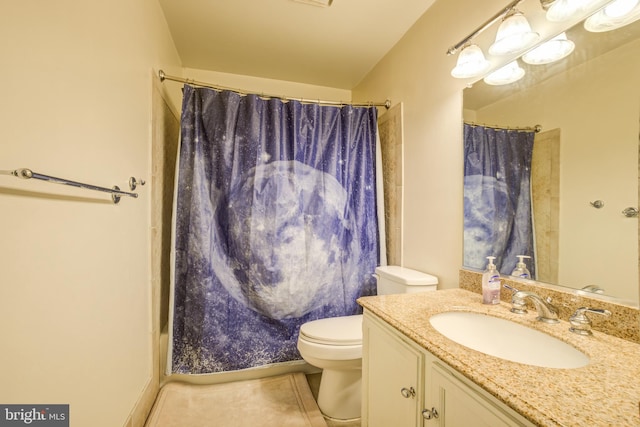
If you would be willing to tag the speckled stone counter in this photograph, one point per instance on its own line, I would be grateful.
(625, 324)
(606, 392)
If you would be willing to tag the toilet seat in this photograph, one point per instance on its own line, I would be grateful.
(334, 331)
(334, 345)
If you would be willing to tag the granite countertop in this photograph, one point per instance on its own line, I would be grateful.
(606, 392)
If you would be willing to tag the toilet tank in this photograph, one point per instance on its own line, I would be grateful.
(393, 279)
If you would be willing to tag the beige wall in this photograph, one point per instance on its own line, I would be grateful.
(75, 297)
(267, 86)
(596, 107)
(416, 73)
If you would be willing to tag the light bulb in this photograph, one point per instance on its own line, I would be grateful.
(505, 75)
(514, 35)
(551, 51)
(563, 10)
(619, 8)
(471, 63)
(617, 14)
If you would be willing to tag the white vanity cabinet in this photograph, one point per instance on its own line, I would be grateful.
(404, 385)
(460, 403)
(392, 373)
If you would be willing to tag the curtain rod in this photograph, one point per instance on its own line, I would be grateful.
(386, 104)
(115, 192)
(536, 128)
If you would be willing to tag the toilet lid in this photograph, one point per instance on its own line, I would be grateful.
(345, 330)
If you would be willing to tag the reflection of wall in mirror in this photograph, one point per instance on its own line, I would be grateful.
(596, 107)
(545, 198)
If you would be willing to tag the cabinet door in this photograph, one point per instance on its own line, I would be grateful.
(457, 405)
(392, 373)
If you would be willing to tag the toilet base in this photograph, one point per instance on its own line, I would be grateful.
(340, 393)
(351, 422)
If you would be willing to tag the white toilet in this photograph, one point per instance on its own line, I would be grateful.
(335, 345)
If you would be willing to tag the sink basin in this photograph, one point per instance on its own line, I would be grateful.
(507, 340)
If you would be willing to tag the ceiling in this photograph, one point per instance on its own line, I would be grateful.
(333, 46)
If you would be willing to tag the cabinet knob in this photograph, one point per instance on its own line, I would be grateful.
(408, 392)
(429, 414)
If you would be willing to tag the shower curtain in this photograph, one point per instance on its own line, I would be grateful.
(275, 225)
(497, 197)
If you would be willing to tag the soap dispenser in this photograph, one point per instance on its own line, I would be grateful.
(491, 283)
(521, 270)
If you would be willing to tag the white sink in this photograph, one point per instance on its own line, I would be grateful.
(507, 340)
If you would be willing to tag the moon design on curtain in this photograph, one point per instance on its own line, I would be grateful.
(272, 255)
(276, 225)
(497, 197)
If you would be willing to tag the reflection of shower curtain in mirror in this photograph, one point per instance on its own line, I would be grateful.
(497, 197)
(276, 225)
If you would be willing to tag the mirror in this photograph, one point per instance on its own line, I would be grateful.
(588, 106)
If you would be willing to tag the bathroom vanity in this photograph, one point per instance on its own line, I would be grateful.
(415, 376)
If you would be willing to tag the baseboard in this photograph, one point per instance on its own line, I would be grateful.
(142, 408)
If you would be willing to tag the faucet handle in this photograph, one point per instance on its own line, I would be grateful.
(581, 324)
(511, 288)
(518, 305)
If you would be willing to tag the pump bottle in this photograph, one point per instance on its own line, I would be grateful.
(521, 270)
(491, 283)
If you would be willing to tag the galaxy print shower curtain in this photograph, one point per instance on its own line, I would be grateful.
(497, 197)
(275, 225)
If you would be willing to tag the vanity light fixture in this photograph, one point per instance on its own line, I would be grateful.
(616, 14)
(471, 63)
(553, 50)
(510, 73)
(514, 35)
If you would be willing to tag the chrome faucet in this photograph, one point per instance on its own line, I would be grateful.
(547, 312)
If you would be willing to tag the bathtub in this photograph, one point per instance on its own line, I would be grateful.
(223, 377)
